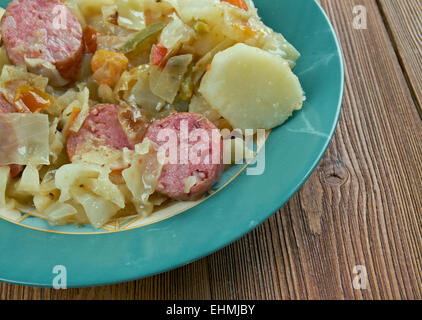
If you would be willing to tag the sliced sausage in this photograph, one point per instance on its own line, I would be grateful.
(206, 172)
(6, 107)
(107, 125)
(43, 29)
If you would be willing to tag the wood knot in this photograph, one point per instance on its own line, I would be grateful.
(333, 173)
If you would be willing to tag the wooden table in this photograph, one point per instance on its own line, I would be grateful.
(360, 211)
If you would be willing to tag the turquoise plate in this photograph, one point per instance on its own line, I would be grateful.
(30, 248)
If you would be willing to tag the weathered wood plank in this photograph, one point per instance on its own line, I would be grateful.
(404, 20)
(361, 207)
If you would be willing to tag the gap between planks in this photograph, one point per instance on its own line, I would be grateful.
(394, 43)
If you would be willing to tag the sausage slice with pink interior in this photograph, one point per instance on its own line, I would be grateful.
(43, 29)
(191, 177)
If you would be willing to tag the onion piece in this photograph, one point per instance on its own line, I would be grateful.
(166, 83)
(142, 176)
(29, 183)
(59, 213)
(130, 14)
(137, 90)
(175, 34)
(25, 139)
(81, 102)
(4, 178)
(74, 7)
(201, 66)
(98, 210)
(46, 69)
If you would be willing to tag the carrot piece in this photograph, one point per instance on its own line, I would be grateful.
(238, 3)
(158, 55)
(32, 98)
(108, 66)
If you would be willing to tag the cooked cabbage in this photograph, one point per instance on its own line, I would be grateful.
(25, 139)
(105, 94)
(81, 102)
(14, 76)
(131, 14)
(199, 105)
(111, 157)
(128, 79)
(61, 103)
(92, 7)
(166, 83)
(103, 187)
(46, 69)
(201, 66)
(135, 86)
(4, 178)
(30, 181)
(274, 42)
(4, 59)
(91, 187)
(98, 210)
(2, 11)
(175, 34)
(85, 72)
(55, 140)
(189, 10)
(48, 193)
(142, 176)
(12, 73)
(60, 213)
(90, 177)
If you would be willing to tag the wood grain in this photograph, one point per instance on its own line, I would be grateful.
(362, 206)
(404, 21)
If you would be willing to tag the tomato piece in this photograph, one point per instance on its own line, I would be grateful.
(32, 98)
(108, 66)
(158, 55)
(238, 3)
(90, 39)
